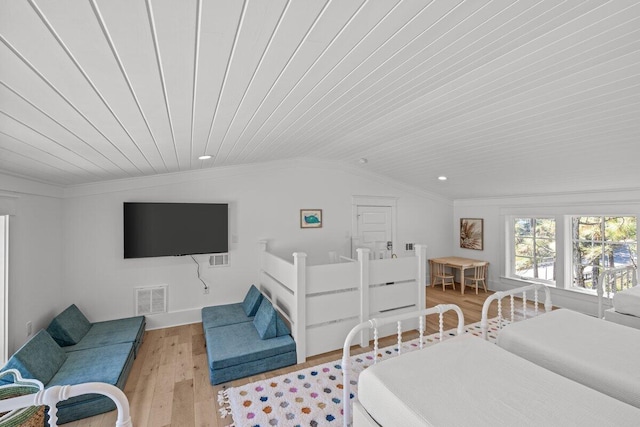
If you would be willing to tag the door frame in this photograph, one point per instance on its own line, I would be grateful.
(4, 288)
(378, 201)
(8, 203)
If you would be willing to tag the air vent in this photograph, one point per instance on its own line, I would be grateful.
(219, 260)
(151, 300)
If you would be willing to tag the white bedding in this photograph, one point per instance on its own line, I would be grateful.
(466, 381)
(601, 355)
(628, 301)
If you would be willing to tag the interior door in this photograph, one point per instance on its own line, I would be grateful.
(374, 231)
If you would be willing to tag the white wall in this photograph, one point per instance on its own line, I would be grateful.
(35, 255)
(264, 200)
(494, 211)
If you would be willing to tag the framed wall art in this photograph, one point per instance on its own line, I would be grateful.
(310, 218)
(471, 233)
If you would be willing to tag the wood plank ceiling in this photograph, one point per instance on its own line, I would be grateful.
(503, 97)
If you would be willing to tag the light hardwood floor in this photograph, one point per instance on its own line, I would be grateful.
(169, 382)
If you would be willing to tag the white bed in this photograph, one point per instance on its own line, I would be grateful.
(466, 381)
(598, 354)
(628, 301)
(626, 308)
(612, 315)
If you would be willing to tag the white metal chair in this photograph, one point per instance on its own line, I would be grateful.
(479, 273)
(441, 274)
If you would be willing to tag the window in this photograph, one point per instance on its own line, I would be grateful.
(534, 249)
(599, 243)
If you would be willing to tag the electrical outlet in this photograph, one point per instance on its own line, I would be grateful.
(29, 329)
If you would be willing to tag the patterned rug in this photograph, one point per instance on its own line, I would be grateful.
(313, 396)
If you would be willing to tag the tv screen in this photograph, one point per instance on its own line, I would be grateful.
(165, 229)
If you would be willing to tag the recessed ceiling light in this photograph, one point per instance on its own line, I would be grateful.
(442, 178)
(205, 157)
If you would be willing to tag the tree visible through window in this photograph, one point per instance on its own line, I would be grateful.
(601, 242)
(535, 248)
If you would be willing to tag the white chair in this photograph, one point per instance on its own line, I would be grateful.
(479, 273)
(441, 274)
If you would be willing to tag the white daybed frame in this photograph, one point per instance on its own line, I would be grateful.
(542, 342)
(606, 293)
(522, 291)
(51, 396)
(375, 324)
(425, 385)
(323, 302)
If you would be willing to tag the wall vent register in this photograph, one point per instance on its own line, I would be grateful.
(151, 300)
(219, 260)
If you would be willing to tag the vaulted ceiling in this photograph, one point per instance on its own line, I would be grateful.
(502, 97)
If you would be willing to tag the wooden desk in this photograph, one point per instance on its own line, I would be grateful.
(459, 263)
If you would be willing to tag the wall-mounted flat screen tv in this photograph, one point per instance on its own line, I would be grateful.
(173, 229)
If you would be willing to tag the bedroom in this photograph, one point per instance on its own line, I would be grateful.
(65, 233)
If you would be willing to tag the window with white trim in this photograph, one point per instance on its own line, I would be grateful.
(534, 249)
(601, 243)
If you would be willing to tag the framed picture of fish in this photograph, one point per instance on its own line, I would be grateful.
(310, 218)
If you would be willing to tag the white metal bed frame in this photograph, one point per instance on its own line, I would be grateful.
(605, 289)
(51, 396)
(498, 296)
(375, 324)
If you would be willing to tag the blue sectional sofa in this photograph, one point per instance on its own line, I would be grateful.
(73, 350)
(73, 331)
(246, 338)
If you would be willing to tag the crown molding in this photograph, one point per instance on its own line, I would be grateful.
(16, 185)
(591, 198)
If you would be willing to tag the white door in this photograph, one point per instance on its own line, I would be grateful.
(374, 231)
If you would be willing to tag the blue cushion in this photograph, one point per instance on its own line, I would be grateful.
(127, 330)
(69, 327)
(39, 358)
(110, 364)
(222, 315)
(239, 344)
(252, 301)
(265, 320)
(103, 364)
(221, 375)
(281, 327)
(95, 404)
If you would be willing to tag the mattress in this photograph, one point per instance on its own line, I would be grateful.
(628, 301)
(622, 319)
(466, 381)
(601, 355)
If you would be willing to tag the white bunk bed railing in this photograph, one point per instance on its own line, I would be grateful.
(52, 395)
(610, 279)
(498, 296)
(375, 324)
(323, 302)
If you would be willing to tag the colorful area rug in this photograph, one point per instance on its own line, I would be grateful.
(313, 396)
